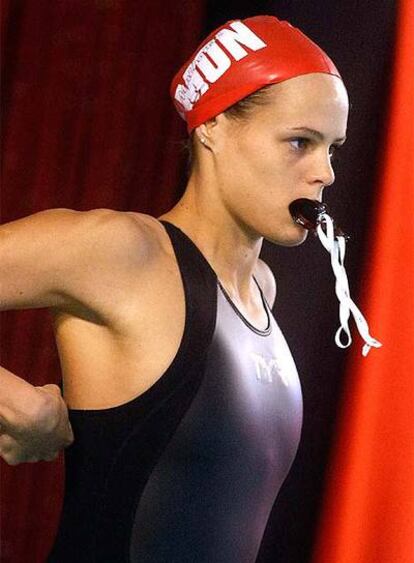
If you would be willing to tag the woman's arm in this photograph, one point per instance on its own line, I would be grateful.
(61, 259)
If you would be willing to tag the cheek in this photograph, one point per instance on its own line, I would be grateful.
(258, 163)
(260, 167)
(274, 171)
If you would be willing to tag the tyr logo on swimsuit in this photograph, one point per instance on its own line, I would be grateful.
(267, 369)
(201, 71)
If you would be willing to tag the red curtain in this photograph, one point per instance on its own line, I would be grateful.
(368, 514)
(87, 123)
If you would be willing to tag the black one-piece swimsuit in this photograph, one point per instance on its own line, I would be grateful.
(188, 471)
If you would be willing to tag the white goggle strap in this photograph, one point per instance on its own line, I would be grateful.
(336, 248)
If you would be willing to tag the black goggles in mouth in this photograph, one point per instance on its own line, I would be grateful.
(309, 214)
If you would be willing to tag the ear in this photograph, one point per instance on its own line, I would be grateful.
(206, 131)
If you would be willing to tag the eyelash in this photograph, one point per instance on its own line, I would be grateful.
(333, 148)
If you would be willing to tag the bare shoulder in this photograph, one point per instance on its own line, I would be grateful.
(51, 257)
(267, 281)
(129, 235)
(101, 234)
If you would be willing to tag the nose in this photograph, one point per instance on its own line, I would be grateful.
(322, 172)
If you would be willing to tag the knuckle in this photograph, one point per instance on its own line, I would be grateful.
(52, 387)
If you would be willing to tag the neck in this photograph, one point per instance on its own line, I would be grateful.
(231, 251)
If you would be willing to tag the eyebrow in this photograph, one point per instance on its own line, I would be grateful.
(316, 134)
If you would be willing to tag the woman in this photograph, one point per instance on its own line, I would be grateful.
(184, 398)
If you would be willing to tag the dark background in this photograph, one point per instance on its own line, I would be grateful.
(87, 123)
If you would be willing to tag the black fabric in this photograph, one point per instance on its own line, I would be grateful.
(189, 470)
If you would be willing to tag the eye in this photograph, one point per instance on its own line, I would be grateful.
(300, 143)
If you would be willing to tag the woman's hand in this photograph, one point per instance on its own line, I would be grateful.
(43, 432)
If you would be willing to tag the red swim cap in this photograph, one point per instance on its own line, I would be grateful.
(239, 58)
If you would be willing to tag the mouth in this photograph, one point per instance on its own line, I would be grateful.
(307, 212)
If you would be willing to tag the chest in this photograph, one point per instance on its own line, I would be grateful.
(249, 404)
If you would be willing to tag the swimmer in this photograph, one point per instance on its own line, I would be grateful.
(183, 396)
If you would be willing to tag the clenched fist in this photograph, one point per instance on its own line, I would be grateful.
(40, 434)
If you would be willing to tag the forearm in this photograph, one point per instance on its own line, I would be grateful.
(34, 422)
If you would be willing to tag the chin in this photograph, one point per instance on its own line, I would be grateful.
(294, 237)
